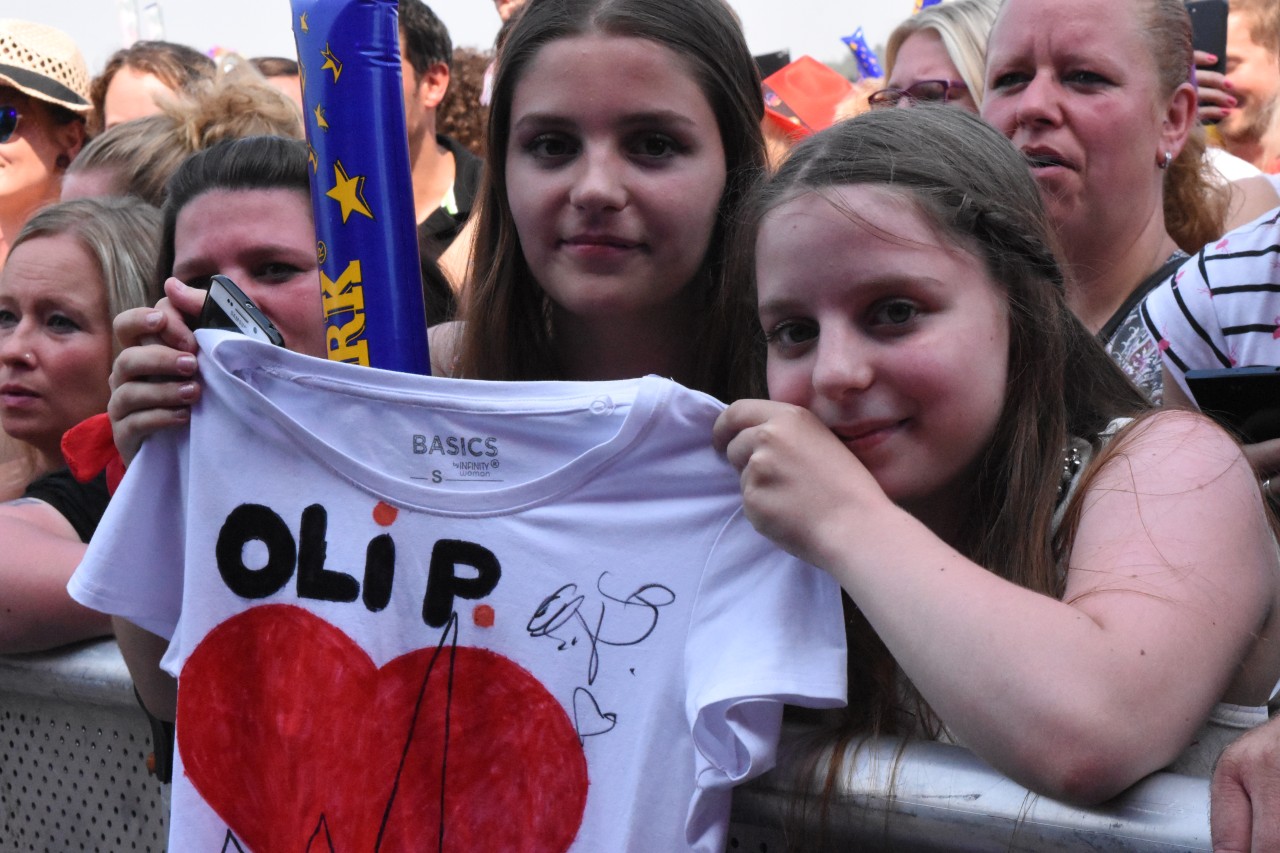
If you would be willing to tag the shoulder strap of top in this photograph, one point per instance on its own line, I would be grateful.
(1167, 269)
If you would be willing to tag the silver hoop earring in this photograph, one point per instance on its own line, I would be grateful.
(1168, 158)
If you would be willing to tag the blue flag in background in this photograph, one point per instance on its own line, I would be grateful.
(361, 193)
(868, 64)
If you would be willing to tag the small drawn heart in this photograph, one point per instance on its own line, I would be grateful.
(587, 716)
(1222, 244)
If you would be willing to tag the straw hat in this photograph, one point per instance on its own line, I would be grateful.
(44, 63)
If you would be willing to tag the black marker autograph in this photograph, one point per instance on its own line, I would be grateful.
(629, 625)
(640, 609)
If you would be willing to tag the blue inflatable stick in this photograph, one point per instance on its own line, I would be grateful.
(361, 192)
(868, 62)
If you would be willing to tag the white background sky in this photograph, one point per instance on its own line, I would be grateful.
(262, 27)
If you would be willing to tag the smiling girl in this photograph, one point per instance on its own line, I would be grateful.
(622, 137)
(1068, 596)
(624, 133)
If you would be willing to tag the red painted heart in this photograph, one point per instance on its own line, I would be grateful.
(298, 741)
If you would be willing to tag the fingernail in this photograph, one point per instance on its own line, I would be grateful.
(183, 414)
(154, 318)
(1226, 84)
(186, 363)
(187, 391)
(1232, 100)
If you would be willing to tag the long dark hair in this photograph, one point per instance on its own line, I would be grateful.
(508, 333)
(974, 186)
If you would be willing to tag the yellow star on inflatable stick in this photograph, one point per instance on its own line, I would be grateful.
(302, 23)
(321, 122)
(313, 158)
(331, 62)
(348, 192)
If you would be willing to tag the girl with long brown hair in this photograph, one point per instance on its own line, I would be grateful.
(1038, 567)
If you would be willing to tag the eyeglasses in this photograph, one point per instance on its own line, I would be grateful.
(8, 123)
(925, 90)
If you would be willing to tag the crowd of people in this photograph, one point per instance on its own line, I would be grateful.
(945, 343)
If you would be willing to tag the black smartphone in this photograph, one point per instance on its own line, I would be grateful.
(1209, 29)
(226, 307)
(1246, 399)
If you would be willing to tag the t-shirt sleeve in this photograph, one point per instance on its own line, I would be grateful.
(81, 504)
(767, 629)
(1180, 316)
(134, 563)
(1220, 302)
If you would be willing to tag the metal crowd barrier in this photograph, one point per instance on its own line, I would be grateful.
(946, 799)
(73, 756)
(73, 777)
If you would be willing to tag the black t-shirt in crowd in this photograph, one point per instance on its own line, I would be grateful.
(82, 504)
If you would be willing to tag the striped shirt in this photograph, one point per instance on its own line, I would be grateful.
(1222, 307)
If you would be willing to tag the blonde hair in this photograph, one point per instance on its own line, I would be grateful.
(1263, 22)
(144, 153)
(1195, 202)
(177, 66)
(122, 235)
(963, 27)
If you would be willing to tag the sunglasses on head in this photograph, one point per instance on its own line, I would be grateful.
(8, 122)
(925, 90)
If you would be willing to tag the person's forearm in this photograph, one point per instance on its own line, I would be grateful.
(1065, 704)
(36, 612)
(142, 652)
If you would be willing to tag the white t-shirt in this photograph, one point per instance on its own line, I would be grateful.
(536, 608)
(1229, 166)
(1222, 307)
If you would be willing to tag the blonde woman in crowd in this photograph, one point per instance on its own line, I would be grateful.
(73, 267)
